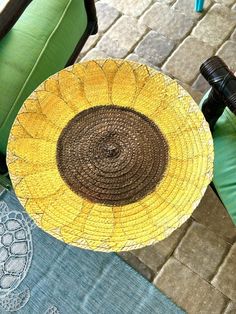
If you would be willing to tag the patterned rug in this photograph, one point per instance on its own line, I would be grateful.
(39, 274)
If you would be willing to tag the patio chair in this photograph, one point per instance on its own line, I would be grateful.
(45, 38)
(219, 109)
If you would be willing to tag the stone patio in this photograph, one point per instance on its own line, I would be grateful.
(196, 265)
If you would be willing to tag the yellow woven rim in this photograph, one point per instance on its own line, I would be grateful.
(31, 156)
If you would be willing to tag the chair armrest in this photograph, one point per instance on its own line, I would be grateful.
(11, 11)
(223, 92)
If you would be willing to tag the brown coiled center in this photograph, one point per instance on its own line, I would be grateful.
(112, 155)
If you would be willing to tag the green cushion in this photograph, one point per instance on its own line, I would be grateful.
(38, 45)
(224, 178)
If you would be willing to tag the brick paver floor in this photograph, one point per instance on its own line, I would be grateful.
(196, 265)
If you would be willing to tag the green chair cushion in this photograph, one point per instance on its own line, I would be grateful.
(38, 45)
(224, 178)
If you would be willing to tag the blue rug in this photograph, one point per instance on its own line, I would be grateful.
(41, 275)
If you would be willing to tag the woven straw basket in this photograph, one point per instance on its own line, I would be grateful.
(110, 155)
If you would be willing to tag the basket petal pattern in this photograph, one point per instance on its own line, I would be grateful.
(70, 217)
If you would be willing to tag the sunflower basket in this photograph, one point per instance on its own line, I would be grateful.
(110, 155)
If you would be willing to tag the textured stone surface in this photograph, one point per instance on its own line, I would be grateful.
(225, 2)
(106, 15)
(231, 308)
(165, 1)
(233, 36)
(225, 279)
(151, 256)
(201, 84)
(135, 57)
(188, 290)
(167, 21)
(212, 214)
(201, 250)
(133, 261)
(228, 53)
(216, 25)
(187, 7)
(90, 43)
(94, 54)
(130, 7)
(155, 48)
(185, 61)
(156, 255)
(120, 39)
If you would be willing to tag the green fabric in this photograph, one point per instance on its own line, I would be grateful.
(224, 178)
(38, 45)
